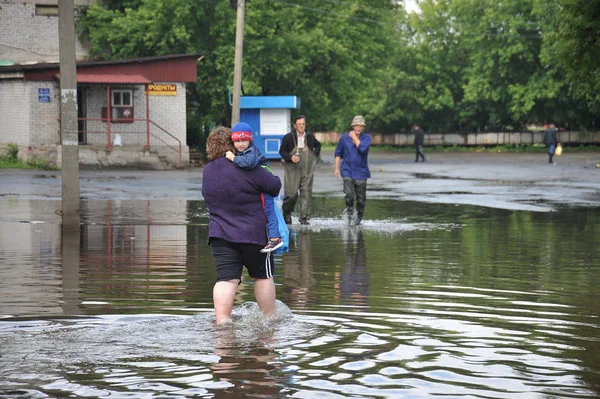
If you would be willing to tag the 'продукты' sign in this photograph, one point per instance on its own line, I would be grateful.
(162, 90)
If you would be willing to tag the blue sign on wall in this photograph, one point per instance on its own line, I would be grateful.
(43, 95)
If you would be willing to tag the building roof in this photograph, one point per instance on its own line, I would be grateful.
(82, 63)
(110, 79)
(260, 102)
(165, 68)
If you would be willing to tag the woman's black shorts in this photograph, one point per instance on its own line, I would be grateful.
(230, 259)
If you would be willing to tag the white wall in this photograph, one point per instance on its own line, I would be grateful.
(44, 126)
(25, 36)
(169, 113)
(24, 120)
(14, 112)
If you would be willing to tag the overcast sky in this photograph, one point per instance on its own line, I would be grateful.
(411, 5)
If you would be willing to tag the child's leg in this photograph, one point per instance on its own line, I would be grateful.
(272, 225)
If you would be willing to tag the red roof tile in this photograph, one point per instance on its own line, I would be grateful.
(110, 79)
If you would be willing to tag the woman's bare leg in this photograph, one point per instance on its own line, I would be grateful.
(264, 291)
(223, 295)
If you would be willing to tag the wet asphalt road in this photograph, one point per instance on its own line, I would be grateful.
(524, 181)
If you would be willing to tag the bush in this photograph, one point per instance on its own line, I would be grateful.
(12, 150)
(43, 164)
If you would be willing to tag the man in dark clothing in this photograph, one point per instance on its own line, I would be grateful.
(550, 139)
(419, 139)
(300, 151)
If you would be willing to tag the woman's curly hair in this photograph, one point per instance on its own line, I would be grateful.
(218, 143)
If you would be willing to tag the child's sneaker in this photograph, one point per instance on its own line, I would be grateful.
(272, 245)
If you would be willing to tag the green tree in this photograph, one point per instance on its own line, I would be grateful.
(436, 68)
(335, 56)
(571, 45)
(463, 65)
(505, 79)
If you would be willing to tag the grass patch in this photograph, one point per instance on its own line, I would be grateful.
(6, 163)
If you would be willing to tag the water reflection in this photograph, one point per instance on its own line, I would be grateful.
(71, 242)
(247, 372)
(422, 300)
(30, 248)
(354, 277)
(134, 254)
(299, 278)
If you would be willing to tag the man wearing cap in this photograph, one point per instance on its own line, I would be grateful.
(352, 164)
(300, 151)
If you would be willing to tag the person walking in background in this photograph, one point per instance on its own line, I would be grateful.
(550, 139)
(352, 164)
(418, 143)
(300, 151)
(248, 157)
(237, 226)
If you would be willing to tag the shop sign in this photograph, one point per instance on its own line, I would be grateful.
(162, 90)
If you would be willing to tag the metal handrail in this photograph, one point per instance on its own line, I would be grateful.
(168, 145)
(179, 151)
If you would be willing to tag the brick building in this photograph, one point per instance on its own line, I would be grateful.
(131, 112)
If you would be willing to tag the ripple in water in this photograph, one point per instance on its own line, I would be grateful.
(144, 353)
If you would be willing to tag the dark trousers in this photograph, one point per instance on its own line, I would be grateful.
(551, 150)
(298, 183)
(355, 190)
(419, 151)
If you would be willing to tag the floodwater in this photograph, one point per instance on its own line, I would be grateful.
(467, 280)
(423, 300)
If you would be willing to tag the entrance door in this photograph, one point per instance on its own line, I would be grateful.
(81, 115)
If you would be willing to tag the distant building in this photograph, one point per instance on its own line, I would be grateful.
(132, 113)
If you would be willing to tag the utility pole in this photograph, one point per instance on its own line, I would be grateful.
(237, 68)
(68, 115)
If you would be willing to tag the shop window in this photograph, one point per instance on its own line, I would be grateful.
(122, 98)
(121, 106)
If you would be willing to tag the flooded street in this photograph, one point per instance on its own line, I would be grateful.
(473, 275)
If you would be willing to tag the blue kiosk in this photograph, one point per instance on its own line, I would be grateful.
(270, 119)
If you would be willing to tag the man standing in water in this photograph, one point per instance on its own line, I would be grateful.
(300, 151)
(352, 164)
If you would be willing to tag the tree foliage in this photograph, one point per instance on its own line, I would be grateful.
(458, 65)
(571, 32)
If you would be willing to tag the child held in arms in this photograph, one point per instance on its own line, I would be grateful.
(248, 156)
